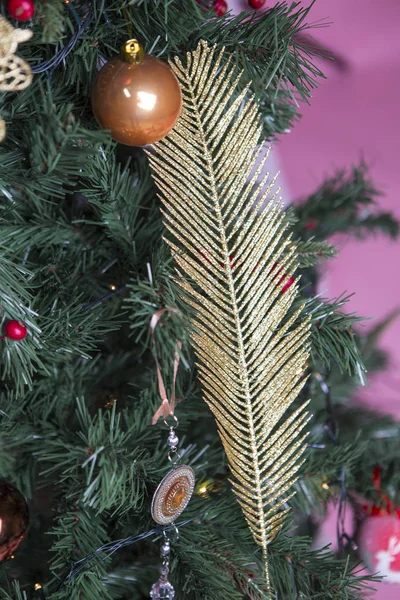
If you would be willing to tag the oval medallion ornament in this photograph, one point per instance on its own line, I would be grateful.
(172, 495)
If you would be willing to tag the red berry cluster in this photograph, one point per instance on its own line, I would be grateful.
(219, 6)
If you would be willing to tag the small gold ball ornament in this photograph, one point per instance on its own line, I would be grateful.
(136, 96)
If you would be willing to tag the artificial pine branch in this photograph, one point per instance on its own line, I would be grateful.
(53, 20)
(13, 593)
(347, 202)
(312, 252)
(333, 337)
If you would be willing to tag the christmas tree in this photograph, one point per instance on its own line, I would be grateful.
(188, 345)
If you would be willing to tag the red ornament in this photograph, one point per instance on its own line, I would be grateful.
(15, 330)
(379, 546)
(22, 10)
(385, 506)
(379, 537)
(256, 3)
(220, 7)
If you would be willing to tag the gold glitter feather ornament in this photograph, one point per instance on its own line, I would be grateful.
(15, 73)
(228, 238)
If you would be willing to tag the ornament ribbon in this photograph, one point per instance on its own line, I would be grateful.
(167, 407)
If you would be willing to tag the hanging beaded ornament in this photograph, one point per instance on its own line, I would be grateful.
(175, 490)
(169, 501)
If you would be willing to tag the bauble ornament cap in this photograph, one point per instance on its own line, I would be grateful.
(132, 52)
(14, 519)
(136, 96)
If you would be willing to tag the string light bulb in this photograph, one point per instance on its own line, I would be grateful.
(111, 401)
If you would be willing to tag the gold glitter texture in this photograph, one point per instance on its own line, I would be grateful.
(234, 257)
(173, 495)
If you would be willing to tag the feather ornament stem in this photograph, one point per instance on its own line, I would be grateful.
(233, 255)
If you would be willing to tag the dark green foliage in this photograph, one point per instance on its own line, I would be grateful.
(83, 265)
(52, 16)
(333, 338)
(12, 593)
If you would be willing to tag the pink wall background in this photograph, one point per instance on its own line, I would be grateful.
(355, 114)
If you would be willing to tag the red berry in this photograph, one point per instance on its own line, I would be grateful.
(15, 330)
(311, 224)
(220, 7)
(256, 3)
(22, 10)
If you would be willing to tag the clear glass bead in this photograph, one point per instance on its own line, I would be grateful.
(165, 549)
(173, 440)
(162, 590)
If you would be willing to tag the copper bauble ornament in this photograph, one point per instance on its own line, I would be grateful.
(137, 97)
(14, 518)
